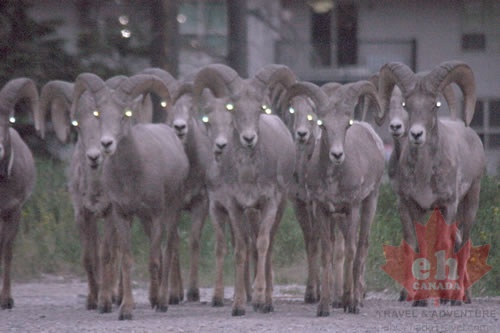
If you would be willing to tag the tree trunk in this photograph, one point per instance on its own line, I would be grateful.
(237, 36)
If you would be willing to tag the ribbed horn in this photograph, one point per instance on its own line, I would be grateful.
(318, 96)
(145, 83)
(460, 73)
(93, 84)
(18, 89)
(354, 91)
(222, 80)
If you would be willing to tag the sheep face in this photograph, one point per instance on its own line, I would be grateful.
(178, 116)
(217, 115)
(334, 125)
(398, 117)
(87, 125)
(248, 107)
(304, 119)
(115, 121)
(422, 108)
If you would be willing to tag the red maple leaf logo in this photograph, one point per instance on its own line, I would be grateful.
(436, 271)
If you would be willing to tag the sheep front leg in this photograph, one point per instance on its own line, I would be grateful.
(8, 234)
(109, 268)
(155, 258)
(338, 265)
(349, 228)
(219, 219)
(89, 238)
(199, 213)
(240, 235)
(326, 261)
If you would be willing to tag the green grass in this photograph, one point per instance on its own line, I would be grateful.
(48, 242)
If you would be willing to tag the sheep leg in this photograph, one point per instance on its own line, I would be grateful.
(368, 209)
(325, 229)
(236, 217)
(171, 219)
(338, 266)
(269, 213)
(123, 229)
(199, 213)
(155, 232)
(109, 267)
(219, 220)
(175, 292)
(311, 240)
(10, 228)
(349, 228)
(87, 227)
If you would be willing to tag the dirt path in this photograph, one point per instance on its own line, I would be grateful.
(57, 305)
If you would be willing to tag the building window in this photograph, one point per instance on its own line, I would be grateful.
(474, 25)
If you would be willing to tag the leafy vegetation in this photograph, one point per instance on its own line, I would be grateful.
(48, 240)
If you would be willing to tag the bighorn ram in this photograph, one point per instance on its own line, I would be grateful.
(144, 170)
(17, 174)
(443, 162)
(254, 163)
(89, 198)
(342, 175)
(184, 118)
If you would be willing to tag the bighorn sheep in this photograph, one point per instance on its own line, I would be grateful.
(443, 162)
(254, 165)
(89, 198)
(17, 174)
(183, 117)
(342, 175)
(144, 170)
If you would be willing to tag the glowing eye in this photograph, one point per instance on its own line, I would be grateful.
(95, 113)
(12, 120)
(268, 111)
(163, 104)
(128, 113)
(351, 122)
(291, 110)
(264, 107)
(229, 107)
(204, 119)
(438, 104)
(319, 122)
(74, 123)
(309, 117)
(403, 104)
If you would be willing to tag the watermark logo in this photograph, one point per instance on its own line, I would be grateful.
(436, 271)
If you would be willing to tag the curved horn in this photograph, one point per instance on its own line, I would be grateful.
(166, 77)
(115, 81)
(275, 79)
(460, 73)
(318, 96)
(220, 79)
(140, 84)
(354, 91)
(330, 87)
(88, 82)
(56, 98)
(391, 74)
(18, 89)
(449, 96)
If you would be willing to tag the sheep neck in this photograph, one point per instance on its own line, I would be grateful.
(7, 163)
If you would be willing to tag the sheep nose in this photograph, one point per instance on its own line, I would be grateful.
(93, 157)
(249, 138)
(179, 127)
(221, 145)
(395, 127)
(106, 142)
(301, 134)
(337, 155)
(417, 134)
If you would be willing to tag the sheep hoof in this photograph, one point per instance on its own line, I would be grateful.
(422, 302)
(323, 313)
(7, 303)
(91, 304)
(337, 305)
(309, 298)
(174, 299)
(193, 295)
(217, 302)
(161, 308)
(238, 312)
(351, 309)
(263, 308)
(104, 308)
(125, 316)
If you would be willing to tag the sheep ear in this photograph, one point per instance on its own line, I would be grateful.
(55, 98)
(145, 108)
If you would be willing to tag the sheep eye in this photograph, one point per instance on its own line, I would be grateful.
(403, 104)
(309, 117)
(74, 123)
(291, 110)
(438, 104)
(204, 119)
(163, 104)
(96, 113)
(351, 122)
(229, 107)
(319, 122)
(12, 120)
(266, 109)
(128, 113)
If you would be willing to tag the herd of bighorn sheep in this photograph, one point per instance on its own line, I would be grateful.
(237, 150)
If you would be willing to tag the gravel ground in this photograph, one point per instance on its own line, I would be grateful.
(58, 305)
